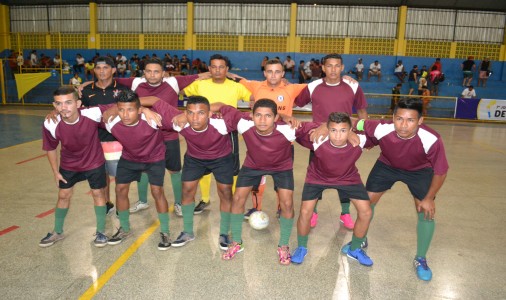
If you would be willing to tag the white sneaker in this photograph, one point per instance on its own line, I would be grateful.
(138, 206)
(178, 210)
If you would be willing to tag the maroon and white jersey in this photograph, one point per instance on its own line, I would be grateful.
(332, 165)
(142, 142)
(80, 145)
(214, 141)
(325, 98)
(424, 150)
(167, 91)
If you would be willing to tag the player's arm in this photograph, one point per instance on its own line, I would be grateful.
(294, 123)
(52, 157)
(428, 205)
(362, 114)
(151, 116)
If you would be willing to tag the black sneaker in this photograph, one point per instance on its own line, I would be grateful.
(110, 208)
(164, 241)
(224, 241)
(249, 212)
(200, 207)
(118, 237)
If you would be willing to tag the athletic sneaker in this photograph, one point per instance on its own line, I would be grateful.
(299, 254)
(250, 211)
(138, 206)
(178, 210)
(183, 239)
(109, 208)
(224, 241)
(50, 239)
(100, 240)
(347, 221)
(347, 247)
(118, 237)
(200, 207)
(360, 255)
(314, 220)
(422, 269)
(232, 250)
(164, 241)
(284, 255)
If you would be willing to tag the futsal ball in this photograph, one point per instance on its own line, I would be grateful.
(259, 220)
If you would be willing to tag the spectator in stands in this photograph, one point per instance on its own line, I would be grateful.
(34, 59)
(203, 67)
(316, 70)
(57, 61)
(437, 64)
(485, 71)
(75, 81)
(120, 57)
(45, 61)
(307, 69)
(195, 65)
(166, 59)
(425, 100)
(264, 61)
(358, 70)
(94, 59)
(434, 80)
(289, 66)
(396, 91)
(121, 68)
(468, 68)
(134, 57)
(79, 66)
(134, 67)
(185, 63)
(20, 61)
(399, 71)
(374, 70)
(422, 83)
(177, 63)
(469, 92)
(423, 72)
(302, 75)
(89, 68)
(169, 66)
(413, 79)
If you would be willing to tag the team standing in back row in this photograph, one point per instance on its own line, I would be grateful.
(410, 152)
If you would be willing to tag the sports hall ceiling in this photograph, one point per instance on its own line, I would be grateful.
(491, 5)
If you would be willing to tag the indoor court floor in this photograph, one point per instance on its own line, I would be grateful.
(465, 255)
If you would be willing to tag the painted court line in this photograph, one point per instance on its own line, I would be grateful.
(7, 230)
(109, 273)
(45, 214)
(33, 158)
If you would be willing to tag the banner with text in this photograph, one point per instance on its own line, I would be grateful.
(489, 109)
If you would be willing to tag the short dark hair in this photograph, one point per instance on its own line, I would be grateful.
(153, 61)
(410, 103)
(198, 100)
(66, 90)
(470, 87)
(219, 57)
(266, 103)
(339, 117)
(273, 62)
(332, 56)
(128, 96)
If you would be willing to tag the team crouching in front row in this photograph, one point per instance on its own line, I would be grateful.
(410, 152)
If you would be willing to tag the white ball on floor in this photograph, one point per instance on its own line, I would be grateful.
(259, 220)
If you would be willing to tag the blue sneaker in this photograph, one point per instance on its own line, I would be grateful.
(346, 247)
(360, 255)
(422, 269)
(298, 255)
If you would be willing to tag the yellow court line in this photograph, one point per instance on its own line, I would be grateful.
(102, 280)
(24, 143)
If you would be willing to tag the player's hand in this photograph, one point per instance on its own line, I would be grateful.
(428, 207)
(319, 133)
(52, 116)
(110, 114)
(58, 177)
(152, 117)
(180, 120)
(353, 139)
(294, 123)
(350, 79)
(81, 87)
(205, 75)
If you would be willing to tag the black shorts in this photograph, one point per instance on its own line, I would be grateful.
(129, 171)
(172, 156)
(96, 178)
(383, 177)
(222, 169)
(314, 191)
(250, 177)
(255, 187)
(234, 136)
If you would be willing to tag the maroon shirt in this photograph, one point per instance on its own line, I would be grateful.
(167, 91)
(80, 145)
(325, 98)
(424, 150)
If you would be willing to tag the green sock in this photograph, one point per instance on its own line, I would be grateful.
(164, 222)
(59, 218)
(356, 242)
(285, 230)
(302, 240)
(177, 187)
(345, 206)
(124, 220)
(100, 212)
(372, 210)
(224, 222)
(236, 226)
(188, 217)
(425, 231)
(142, 188)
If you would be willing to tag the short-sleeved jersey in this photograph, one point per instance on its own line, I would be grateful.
(228, 92)
(80, 146)
(284, 95)
(326, 98)
(212, 142)
(332, 165)
(167, 91)
(94, 96)
(142, 142)
(424, 150)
